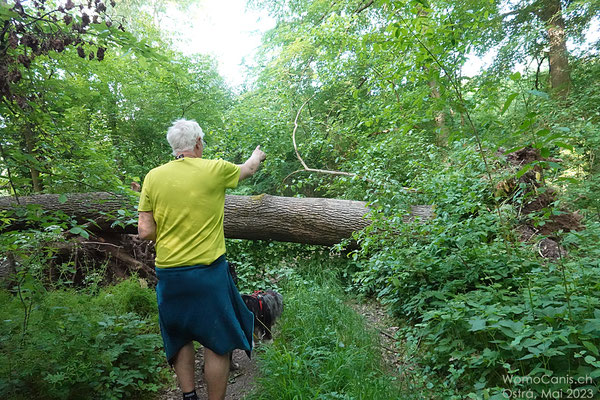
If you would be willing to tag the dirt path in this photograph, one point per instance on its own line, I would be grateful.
(378, 319)
(399, 360)
(241, 381)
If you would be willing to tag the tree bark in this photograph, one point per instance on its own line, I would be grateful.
(36, 183)
(291, 219)
(264, 217)
(440, 116)
(84, 207)
(560, 76)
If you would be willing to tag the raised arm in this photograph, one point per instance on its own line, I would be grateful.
(250, 167)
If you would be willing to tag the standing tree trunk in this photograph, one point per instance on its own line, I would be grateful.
(560, 76)
(36, 182)
(440, 116)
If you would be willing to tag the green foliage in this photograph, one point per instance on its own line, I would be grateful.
(96, 126)
(79, 344)
(263, 264)
(129, 296)
(322, 348)
(482, 306)
(384, 99)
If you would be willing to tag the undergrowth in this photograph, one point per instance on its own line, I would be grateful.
(488, 317)
(322, 349)
(77, 345)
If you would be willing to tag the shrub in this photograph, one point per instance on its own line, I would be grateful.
(76, 344)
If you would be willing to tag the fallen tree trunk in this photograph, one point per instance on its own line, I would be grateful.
(264, 217)
(287, 219)
(292, 219)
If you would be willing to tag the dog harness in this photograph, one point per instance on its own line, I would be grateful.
(258, 295)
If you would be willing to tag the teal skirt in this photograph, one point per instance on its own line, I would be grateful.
(202, 303)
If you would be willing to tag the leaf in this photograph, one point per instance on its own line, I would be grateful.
(477, 324)
(553, 137)
(129, 51)
(6, 11)
(542, 132)
(527, 357)
(554, 165)
(77, 230)
(567, 179)
(565, 146)
(508, 101)
(523, 170)
(62, 199)
(526, 124)
(516, 76)
(530, 342)
(512, 150)
(592, 325)
(591, 360)
(516, 341)
(143, 62)
(564, 339)
(591, 347)
(516, 326)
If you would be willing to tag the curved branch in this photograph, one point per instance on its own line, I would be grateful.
(323, 171)
(364, 6)
(35, 19)
(306, 168)
(293, 173)
(185, 109)
(296, 128)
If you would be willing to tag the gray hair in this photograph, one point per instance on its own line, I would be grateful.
(183, 134)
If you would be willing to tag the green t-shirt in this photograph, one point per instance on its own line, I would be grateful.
(187, 198)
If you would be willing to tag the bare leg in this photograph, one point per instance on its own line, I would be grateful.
(184, 367)
(216, 373)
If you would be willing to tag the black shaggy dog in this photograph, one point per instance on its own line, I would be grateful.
(267, 307)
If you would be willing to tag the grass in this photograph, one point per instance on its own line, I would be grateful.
(323, 350)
